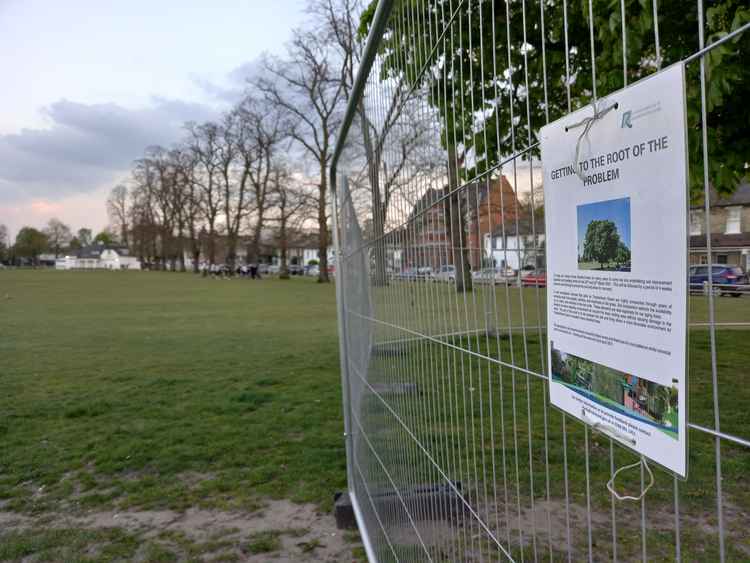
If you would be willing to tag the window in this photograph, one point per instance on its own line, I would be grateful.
(721, 259)
(734, 215)
(696, 223)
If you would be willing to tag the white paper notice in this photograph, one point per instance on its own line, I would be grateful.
(616, 267)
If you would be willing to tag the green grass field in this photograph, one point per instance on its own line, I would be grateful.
(165, 391)
(127, 391)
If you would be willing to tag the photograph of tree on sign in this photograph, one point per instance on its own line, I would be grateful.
(604, 235)
(627, 394)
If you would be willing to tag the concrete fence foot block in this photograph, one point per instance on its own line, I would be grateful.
(344, 512)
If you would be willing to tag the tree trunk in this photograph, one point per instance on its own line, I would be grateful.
(181, 247)
(196, 259)
(154, 252)
(284, 270)
(211, 244)
(231, 251)
(454, 216)
(255, 244)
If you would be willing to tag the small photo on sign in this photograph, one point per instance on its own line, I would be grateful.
(629, 395)
(604, 235)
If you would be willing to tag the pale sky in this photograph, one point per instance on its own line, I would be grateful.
(88, 84)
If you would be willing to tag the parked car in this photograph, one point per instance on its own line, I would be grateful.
(507, 276)
(408, 274)
(295, 270)
(415, 274)
(495, 275)
(424, 273)
(727, 279)
(486, 275)
(313, 270)
(273, 269)
(534, 278)
(445, 273)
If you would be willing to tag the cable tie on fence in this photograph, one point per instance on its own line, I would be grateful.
(587, 123)
(611, 482)
(606, 429)
(613, 432)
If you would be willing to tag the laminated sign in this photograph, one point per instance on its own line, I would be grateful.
(615, 192)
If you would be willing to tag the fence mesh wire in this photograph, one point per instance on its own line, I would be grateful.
(454, 453)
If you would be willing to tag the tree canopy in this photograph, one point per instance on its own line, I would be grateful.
(622, 256)
(30, 243)
(471, 83)
(58, 235)
(602, 242)
(104, 237)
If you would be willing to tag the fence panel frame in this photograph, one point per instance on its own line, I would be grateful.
(365, 506)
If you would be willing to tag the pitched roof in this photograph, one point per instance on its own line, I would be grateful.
(475, 193)
(721, 241)
(95, 250)
(524, 225)
(740, 196)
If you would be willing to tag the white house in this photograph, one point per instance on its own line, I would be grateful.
(313, 254)
(99, 257)
(514, 251)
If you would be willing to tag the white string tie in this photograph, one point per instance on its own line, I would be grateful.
(587, 123)
(611, 482)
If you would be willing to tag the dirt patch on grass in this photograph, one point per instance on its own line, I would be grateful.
(549, 523)
(282, 530)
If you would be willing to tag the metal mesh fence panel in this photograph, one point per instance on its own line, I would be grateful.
(454, 453)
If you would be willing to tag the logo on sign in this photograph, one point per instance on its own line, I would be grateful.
(631, 115)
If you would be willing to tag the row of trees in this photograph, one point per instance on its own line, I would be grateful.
(56, 238)
(225, 181)
(261, 168)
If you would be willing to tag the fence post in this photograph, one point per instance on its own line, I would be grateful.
(341, 315)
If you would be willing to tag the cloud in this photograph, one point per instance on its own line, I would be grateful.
(66, 169)
(235, 85)
(87, 145)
